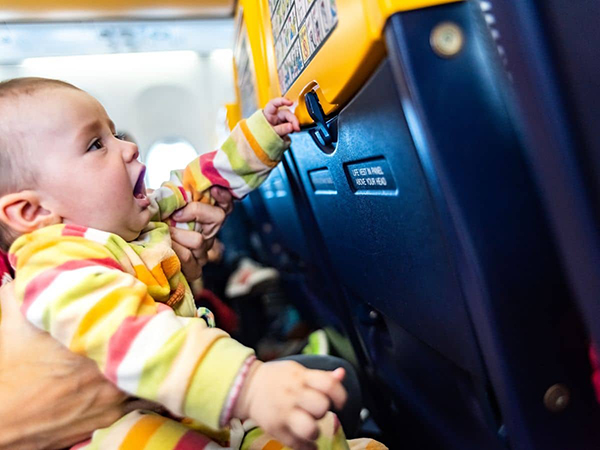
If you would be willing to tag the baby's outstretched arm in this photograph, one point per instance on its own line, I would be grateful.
(286, 400)
(240, 165)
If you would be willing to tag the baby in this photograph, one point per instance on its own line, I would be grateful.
(95, 268)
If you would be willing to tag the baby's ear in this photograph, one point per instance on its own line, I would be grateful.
(22, 212)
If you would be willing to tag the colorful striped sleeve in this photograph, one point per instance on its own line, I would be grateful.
(167, 199)
(76, 290)
(242, 163)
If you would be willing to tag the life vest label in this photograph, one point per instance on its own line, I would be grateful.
(371, 176)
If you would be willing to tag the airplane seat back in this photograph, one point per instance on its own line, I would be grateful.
(288, 246)
(426, 208)
(553, 60)
(434, 226)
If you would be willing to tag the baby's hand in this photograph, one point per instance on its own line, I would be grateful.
(282, 120)
(286, 400)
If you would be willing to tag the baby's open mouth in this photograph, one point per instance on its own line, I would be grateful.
(139, 190)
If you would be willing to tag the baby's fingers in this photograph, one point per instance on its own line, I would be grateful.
(276, 103)
(285, 115)
(303, 426)
(329, 385)
(339, 373)
(283, 129)
(314, 402)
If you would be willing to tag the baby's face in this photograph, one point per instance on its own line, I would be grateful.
(86, 175)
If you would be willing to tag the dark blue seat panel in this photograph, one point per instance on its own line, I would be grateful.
(387, 249)
(280, 205)
(512, 277)
(387, 246)
(551, 50)
(291, 245)
(434, 228)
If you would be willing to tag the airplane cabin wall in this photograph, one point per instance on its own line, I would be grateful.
(153, 97)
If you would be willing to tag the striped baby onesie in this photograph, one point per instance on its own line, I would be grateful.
(241, 165)
(127, 305)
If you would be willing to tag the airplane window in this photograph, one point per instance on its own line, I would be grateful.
(165, 156)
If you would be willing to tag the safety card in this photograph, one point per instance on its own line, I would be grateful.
(299, 29)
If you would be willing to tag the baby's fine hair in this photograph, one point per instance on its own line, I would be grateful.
(16, 173)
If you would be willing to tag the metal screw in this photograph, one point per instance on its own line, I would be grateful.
(557, 397)
(447, 39)
(373, 315)
(364, 414)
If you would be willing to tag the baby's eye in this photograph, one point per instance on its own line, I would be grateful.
(120, 136)
(96, 145)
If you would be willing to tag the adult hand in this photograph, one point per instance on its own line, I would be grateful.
(223, 199)
(191, 246)
(215, 254)
(51, 398)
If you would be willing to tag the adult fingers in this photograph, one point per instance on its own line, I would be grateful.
(191, 265)
(199, 212)
(327, 384)
(211, 217)
(183, 253)
(188, 238)
(195, 242)
(189, 257)
(223, 198)
(209, 243)
(215, 251)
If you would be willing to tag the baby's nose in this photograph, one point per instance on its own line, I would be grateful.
(130, 151)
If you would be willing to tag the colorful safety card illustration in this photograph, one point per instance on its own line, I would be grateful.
(299, 29)
(245, 77)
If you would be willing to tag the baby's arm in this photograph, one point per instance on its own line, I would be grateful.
(77, 291)
(245, 159)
